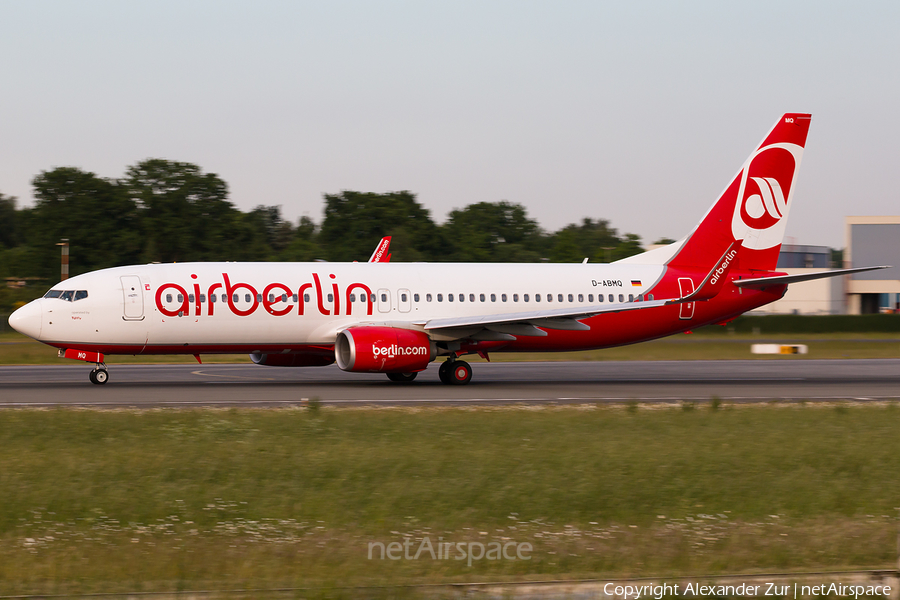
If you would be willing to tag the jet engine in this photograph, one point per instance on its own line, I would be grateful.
(375, 349)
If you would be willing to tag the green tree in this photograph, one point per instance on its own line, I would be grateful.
(101, 223)
(493, 232)
(303, 247)
(356, 221)
(187, 215)
(9, 234)
(628, 246)
(574, 243)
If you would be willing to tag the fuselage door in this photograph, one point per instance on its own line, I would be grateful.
(403, 301)
(384, 300)
(686, 286)
(133, 294)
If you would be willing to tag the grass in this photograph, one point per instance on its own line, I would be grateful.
(18, 349)
(166, 500)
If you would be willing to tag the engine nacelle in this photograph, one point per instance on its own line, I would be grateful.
(375, 349)
(291, 360)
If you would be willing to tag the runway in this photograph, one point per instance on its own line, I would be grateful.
(493, 383)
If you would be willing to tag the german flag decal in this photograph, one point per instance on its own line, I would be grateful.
(635, 283)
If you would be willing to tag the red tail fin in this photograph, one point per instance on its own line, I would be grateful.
(754, 207)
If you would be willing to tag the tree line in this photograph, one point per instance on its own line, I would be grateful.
(165, 211)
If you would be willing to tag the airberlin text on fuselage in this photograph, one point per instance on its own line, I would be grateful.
(274, 307)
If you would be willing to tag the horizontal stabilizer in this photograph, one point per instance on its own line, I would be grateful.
(764, 282)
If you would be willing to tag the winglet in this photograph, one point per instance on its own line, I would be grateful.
(715, 280)
(381, 251)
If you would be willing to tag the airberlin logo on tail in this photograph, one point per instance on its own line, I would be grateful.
(764, 195)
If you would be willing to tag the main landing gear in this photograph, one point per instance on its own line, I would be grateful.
(401, 377)
(455, 372)
(99, 375)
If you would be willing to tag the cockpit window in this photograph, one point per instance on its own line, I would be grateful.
(67, 295)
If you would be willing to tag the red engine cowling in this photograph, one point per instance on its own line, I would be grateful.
(291, 360)
(375, 349)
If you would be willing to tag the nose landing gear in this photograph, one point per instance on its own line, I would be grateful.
(99, 375)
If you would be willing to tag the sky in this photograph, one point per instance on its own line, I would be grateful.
(635, 112)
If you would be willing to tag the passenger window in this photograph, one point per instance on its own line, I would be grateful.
(472, 298)
(525, 297)
(248, 298)
(440, 297)
(225, 299)
(352, 297)
(572, 299)
(180, 297)
(427, 297)
(168, 297)
(560, 298)
(53, 294)
(80, 294)
(403, 297)
(415, 297)
(449, 297)
(271, 297)
(537, 297)
(202, 298)
(580, 298)
(591, 298)
(258, 298)
(462, 297)
(371, 298)
(331, 297)
(481, 297)
(284, 297)
(306, 298)
(515, 297)
(294, 298)
(621, 298)
(631, 297)
(213, 298)
(191, 298)
(503, 297)
(235, 298)
(612, 298)
(599, 297)
(493, 297)
(650, 297)
(383, 297)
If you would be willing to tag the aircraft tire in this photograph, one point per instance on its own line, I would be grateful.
(444, 372)
(459, 373)
(401, 377)
(99, 376)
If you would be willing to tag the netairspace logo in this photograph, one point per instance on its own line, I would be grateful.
(468, 551)
(395, 350)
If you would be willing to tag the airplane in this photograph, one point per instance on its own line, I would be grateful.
(381, 253)
(397, 318)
